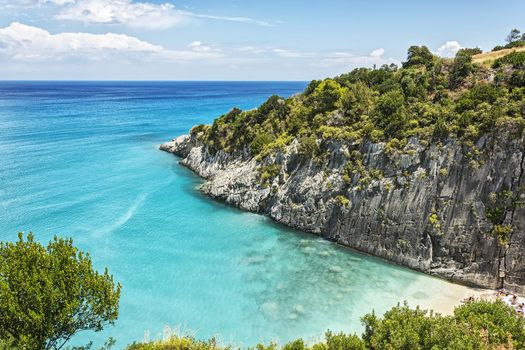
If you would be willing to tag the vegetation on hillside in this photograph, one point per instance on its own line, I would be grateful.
(48, 294)
(427, 97)
(514, 39)
(478, 325)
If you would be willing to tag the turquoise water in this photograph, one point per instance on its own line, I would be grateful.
(81, 160)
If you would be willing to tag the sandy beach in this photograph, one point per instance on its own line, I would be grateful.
(445, 302)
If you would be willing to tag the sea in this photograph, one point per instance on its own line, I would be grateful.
(81, 160)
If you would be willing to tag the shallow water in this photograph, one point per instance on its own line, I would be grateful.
(81, 160)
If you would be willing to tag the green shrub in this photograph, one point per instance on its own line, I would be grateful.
(260, 142)
(477, 325)
(502, 233)
(462, 66)
(269, 172)
(434, 220)
(175, 342)
(515, 59)
(308, 146)
(342, 200)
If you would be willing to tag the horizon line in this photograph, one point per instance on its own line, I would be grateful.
(152, 80)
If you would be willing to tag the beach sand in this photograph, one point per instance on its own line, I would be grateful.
(444, 303)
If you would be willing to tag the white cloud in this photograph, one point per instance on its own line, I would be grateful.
(291, 53)
(448, 49)
(144, 15)
(5, 4)
(346, 59)
(234, 19)
(199, 46)
(22, 42)
(60, 2)
(378, 52)
(251, 49)
(139, 15)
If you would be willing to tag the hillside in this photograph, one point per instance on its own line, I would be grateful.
(488, 58)
(422, 165)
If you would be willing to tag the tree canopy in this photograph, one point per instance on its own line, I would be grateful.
(428, 97)
(48, 294)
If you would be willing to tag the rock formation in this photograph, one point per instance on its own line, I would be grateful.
(435, 207)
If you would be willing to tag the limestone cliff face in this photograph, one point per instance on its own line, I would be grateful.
(428, 209)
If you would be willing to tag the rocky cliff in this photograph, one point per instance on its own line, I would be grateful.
(437, 207)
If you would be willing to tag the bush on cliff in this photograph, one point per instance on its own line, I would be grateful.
(428, 97)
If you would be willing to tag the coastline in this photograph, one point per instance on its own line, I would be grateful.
(443, 302)
(386, 220)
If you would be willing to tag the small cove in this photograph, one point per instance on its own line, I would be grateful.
(81, 160)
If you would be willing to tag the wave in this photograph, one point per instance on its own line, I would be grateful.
(124, 218)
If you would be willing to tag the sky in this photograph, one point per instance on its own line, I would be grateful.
(236, 39)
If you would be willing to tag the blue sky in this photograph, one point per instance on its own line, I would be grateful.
(234, 39)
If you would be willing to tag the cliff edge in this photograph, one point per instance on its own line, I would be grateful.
(419, 165)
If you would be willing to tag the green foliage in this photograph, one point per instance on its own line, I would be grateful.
(462, 66)
(325, 96)
(342, 200)
(419, 56)
(443, 172)
(308, 146)
(515, 59)
(514, 44)
(269, 172)
(498, 323)
(260, 142)
(502, 233)
(514, 39)
(390, 113)
(434, 220)
(198, 129)
(357, 100)
(175, 342)
(353, 166)
(498, 205)
(47, 294)
(428, 98)
(513, 36)
(477, 325)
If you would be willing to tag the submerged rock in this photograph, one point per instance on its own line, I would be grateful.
(270, 309)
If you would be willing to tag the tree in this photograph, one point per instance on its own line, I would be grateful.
(513, 36)
(357, 100)
(390, 114)
(419, 55)
(462, 67)
(476, 325)
(48, 294)
(325, 96)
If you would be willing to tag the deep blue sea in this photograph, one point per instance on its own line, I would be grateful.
(80, 159)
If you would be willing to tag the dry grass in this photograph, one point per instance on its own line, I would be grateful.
(488, 58)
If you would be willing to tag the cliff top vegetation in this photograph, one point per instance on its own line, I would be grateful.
(428, 97)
